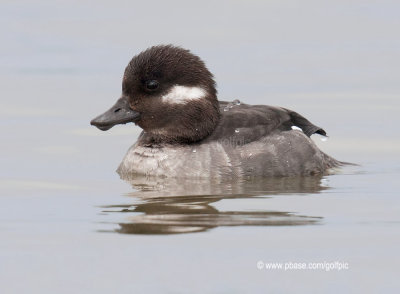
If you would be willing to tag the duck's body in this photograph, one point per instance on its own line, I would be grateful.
(249, 141)
(188, 133)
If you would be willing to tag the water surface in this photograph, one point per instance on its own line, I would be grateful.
(68, 224)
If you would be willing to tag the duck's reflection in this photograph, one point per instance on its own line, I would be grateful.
(165, 206)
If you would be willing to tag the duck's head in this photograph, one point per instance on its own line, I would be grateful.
(169, 93)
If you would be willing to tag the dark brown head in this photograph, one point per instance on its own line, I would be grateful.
(169, 93)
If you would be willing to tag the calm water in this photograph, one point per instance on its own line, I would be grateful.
(68, 224)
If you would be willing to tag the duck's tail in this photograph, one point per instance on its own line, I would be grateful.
(330, 162)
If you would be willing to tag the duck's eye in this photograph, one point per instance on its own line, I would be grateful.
(152, 84)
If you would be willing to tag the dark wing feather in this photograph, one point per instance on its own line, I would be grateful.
(301, 122)
(255, 121)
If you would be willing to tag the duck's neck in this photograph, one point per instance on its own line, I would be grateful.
(195, 122)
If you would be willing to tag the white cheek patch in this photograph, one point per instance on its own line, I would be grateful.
(181, 94)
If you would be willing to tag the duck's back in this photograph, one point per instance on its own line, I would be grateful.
(249, 141)
(267, 144)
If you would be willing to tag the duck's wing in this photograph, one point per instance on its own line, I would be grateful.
(255, 121)
(304, 124)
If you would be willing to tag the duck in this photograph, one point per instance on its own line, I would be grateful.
(188, 133)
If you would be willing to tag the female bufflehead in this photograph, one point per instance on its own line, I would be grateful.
(188, 133)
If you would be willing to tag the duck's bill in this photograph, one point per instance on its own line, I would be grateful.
(120, 113)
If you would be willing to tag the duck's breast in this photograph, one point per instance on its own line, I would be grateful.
(211, 159)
